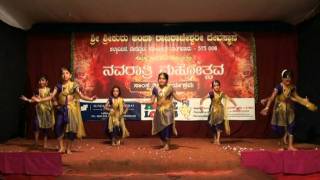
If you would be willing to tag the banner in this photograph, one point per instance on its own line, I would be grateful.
(192, 60)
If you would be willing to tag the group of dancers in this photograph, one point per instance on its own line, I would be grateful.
(63, 102)
(65, 99)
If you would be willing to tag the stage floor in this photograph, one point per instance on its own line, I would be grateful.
(141, 158)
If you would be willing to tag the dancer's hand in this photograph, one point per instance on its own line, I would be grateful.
(55, 102)
(93, 98)
(201, 108)
(264, 101)
(264, 111)
(310, 105)
(24, 98)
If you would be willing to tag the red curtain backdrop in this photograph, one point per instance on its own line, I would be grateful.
(48, 52)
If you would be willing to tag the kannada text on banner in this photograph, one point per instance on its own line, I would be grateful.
(192, 60)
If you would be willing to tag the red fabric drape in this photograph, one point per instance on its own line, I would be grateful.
(31, 163)
(47, 53)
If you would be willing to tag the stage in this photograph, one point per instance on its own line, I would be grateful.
(142, 158)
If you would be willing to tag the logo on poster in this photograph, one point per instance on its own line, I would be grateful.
(150, 110)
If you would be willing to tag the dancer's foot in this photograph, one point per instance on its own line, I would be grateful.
(166, 147)
(68, 151)
(45, 146)
(61, 150)
(35, 145)
(291, 148)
